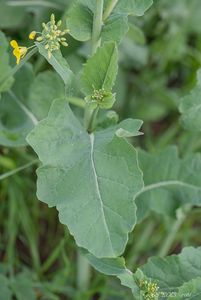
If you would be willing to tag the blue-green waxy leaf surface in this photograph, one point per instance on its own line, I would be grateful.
(80, 22)
(114, 267)
(169, 181)
(190, 108)
(190, 290)
(92, 179)
(134, 7)
(28, 102)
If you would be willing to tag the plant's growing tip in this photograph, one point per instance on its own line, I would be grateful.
(149, 289)
(100, 98)
(52, 35)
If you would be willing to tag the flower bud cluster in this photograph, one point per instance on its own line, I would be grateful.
(52, 35)
(150, 289)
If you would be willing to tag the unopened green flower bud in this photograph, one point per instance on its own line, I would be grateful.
(59, 23)
(39, 38)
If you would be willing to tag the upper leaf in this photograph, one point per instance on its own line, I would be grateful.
(80, 22)
(115, 27)
(190, 107)
(100, 70)
(91, 179)
(46, 87)
(176, 181)
(134, 7)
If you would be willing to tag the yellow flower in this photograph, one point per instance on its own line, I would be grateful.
(18, 52)
(32, 35)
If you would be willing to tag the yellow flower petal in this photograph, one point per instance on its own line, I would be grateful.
(14, 44)
(19, 53)
(16, 53)
(32, 35)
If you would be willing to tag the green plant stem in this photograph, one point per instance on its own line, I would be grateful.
(83, 272)
(97, 25)
(111, 5)
(83, 266)
(17, 170)
(77, 102)
(92, 120)
(181, 216)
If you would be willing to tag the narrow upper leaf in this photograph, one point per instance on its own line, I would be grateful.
(100, 70)
(91, 179)
(61, 66)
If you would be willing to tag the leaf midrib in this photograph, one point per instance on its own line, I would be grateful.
(91, 136)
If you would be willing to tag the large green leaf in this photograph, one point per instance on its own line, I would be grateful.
(4, 65)
(103, 76)
(46, 87)
(176, 181)
(174, 271)
(15, 124)
(91, 179)
(28, 102)
(190, 107)
(61, 66)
